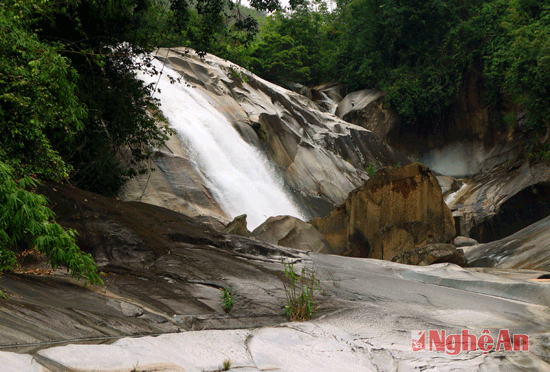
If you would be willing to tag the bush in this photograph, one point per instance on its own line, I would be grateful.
(227, 300)
(300, 291)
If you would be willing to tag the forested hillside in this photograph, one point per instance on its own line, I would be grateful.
(419, 53)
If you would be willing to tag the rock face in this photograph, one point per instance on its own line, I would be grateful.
(366, 108)
(160, 309)
(431, 254)
(497, 204)
(327, 96)
(526, 249)
(321, 157)
(288, 231)
(395, 211)
(462, 241)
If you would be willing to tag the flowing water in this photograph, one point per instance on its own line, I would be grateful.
(239, 176)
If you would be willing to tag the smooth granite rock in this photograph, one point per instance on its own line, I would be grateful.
(497, 204)
(367, 109)
(288, 231)
(161, 310)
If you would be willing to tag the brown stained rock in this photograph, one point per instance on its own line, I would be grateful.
(288, 231)
(398, 209)
(431, 254)
(237, 226)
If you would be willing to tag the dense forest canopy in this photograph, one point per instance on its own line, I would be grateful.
(73, 109)
(419, 53)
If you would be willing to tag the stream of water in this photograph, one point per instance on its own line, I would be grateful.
(239, 176)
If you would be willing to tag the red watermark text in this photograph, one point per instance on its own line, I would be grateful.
(454, 344)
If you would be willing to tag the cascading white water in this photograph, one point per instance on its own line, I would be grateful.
(240, 177)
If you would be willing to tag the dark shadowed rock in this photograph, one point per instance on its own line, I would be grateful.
(431, 254)
(497, 204)
(291, 232)
(396, 210)
(526, 249)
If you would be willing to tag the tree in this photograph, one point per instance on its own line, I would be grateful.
(277, 58)
(37, 95)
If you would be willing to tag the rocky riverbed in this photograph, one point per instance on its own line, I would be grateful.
(160, 309)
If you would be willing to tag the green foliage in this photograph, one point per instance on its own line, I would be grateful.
(297, 46)
(279, 59)
(25, 216)
(517, 61)
(37, 93)
(405, 48)
(226, 365)
(227, 300)
(300, 292)
(371, 170)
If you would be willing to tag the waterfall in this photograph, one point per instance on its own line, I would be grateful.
(240, 177)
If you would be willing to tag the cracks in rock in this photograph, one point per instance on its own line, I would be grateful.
(50, 364)
(427, 299)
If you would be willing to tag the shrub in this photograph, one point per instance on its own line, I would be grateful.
(300, 291)
(25, 216)
(227, 300)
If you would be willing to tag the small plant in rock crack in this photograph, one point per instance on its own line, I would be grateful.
(135, 369)
(371, 170)
(226, 366)
(300, 291)
(227, 300)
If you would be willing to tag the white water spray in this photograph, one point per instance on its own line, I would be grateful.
(239, 176)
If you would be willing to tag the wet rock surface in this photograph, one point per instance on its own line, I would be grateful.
(163, 277)
(321, 157)
(398, 209)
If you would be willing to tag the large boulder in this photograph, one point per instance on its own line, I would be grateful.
(398, 209)
(288, 231)
(237, 226)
